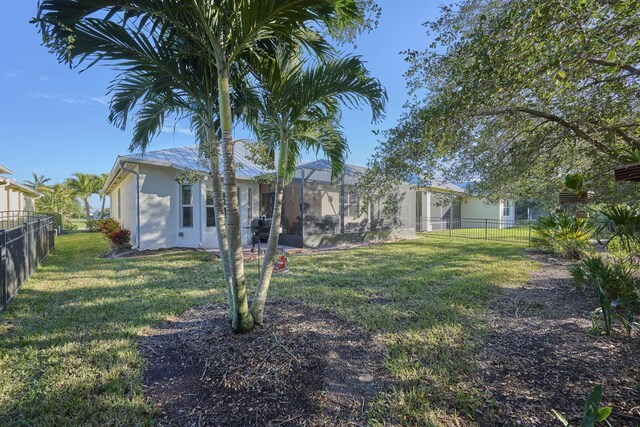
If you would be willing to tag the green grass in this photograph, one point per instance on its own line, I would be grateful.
(67, 342)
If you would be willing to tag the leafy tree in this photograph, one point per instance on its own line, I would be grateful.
(58, 199)
(516, 94)
(38, 183)
(298, 109)
(83, 186)
(191, 58)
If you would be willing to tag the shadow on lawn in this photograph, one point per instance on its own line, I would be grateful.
(69, 336)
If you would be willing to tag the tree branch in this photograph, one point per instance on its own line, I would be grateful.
(630, 68)
(579, 132)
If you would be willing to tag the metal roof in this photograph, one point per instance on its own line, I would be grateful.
(184, 158)
(320, 170)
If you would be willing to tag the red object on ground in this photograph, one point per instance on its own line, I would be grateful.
(281, 265)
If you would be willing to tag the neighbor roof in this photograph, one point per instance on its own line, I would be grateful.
(447, 186)
(20, 187)
(5, 170)
(186, 158)
(320, 170)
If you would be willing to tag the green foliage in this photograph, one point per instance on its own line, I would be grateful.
(574, 182)
(615, 285)
(593, 413)
(93, 226)
(619, 223)
(562, 233)
(69, 225)
(514, 95)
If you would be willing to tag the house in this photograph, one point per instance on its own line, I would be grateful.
(14, 196)
(146, 197)
(443, 205)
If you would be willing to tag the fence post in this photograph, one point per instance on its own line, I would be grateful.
(486, 229)
(3, 270)
(529, 233)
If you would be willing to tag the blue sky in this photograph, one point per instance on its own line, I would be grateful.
(53, 120)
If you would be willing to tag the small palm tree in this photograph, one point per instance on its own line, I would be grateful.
(199, 51)
(299, 109)
(83, 186)
(38, 182)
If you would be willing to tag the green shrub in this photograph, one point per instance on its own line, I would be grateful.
(619, 224)
(615, 285)
(93, 226)
(593, 413)
(68, 226)
(563, 234)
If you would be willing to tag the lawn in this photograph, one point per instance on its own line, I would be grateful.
(67, 342)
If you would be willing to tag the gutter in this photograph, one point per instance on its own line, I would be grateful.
(122, 168)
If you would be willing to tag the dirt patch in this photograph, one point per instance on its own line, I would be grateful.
(307, 367)
(542, 354)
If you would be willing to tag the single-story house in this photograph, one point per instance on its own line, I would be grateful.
(146, 197)
(15, 196)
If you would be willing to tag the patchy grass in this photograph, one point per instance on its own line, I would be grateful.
(67, 341)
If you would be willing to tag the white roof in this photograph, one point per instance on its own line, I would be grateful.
(5, 170)
(186, 158)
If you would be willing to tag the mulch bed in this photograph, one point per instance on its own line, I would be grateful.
(306, 367)
(542, 354)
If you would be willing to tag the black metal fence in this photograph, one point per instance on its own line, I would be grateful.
(506, 231)
(26, 238)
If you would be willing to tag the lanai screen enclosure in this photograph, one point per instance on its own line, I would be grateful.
(319, 212)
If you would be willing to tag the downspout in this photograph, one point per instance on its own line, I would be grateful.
(122, 168)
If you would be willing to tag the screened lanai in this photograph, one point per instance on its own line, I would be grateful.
(319, 212)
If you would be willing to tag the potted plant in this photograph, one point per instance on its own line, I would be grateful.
(575, 183)
(631, 169)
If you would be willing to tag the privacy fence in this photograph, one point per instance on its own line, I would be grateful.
(26, 238)
(506, 231)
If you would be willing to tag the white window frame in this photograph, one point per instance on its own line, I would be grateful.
(209, 189)
(185, 205)
(506, 209)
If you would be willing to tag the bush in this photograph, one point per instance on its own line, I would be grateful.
(563, 233)
(615, 285)
(108, 226)
(93, 226)
(121, 239)
(68, 225)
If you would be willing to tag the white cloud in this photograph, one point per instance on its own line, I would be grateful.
(44, 78)
(177, 129)
(56, 96)
(101, 100)
(13, 74)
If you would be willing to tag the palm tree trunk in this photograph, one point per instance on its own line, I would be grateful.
(221, 226)
(104, 198)
(260, 298)
(87, 208)
(242, 320)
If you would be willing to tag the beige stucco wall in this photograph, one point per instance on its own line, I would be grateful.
(477, 208)
(12, 199)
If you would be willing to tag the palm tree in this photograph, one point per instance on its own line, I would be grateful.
(101, 180)
(58, 199)
(190, 57)
(38, 182)
(84, 185)
(298, 109)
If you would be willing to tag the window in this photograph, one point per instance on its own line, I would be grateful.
(506, 210)
(186, 202)
(211, 213)
(119, 204)
(351, 205)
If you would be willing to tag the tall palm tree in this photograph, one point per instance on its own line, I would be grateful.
(83, 186)
(299, 109)
(190, 56)
(38, 182)
(58, 199)
(101, 180)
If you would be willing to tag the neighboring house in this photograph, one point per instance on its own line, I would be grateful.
(146, 198)
(437, 212)
(15, 196)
